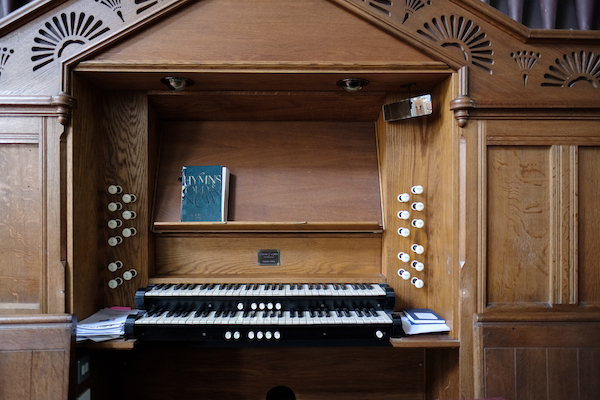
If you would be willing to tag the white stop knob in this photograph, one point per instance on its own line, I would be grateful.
(417, 223)
(417, 189)
(418, 265)
(404, 274)
(128, 232)
(115, 240)
(417, 248)
(403, 197)
(129, 198)
(115, 189)
(417, 282)
(115, 265)
(403, 214)
(402, 256)
(129, 215)
(114, 223)
(114, 206)
(417, 206)
(403, 232)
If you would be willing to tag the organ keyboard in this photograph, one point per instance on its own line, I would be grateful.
(264, 314)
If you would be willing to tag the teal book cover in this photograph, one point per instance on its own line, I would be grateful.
(204, 193)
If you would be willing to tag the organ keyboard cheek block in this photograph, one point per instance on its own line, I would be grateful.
(265, 314)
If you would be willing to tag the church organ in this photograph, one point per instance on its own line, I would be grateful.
(482, 211)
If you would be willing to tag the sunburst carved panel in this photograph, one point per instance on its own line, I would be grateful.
(525, 61)
(61, 32)
(576, 68)
(464, 35)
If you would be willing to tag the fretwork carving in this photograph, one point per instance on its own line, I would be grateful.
(574, 68)
(114, 5)
(4, 56)
(525, 60)
(464, 35)
(62, 32)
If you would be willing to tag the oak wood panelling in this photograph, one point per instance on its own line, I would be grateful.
(422, 151)
(539, 360)
(249, 373)
(589, 215)
(281, 171)
(126, 163)
(109, 145)
(34, 357)
(518, 199)
(310, 257)
(85, 166)
(31, 268)
(21, 218)
(259, 31)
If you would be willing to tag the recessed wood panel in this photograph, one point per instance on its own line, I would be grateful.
(20, 226)
(518, 224)
(589, 225)
(303, 258)
(281, 171)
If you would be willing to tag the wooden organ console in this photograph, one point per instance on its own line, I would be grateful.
(485, 210)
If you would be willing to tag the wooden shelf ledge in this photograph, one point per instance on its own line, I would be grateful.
(427, 340)
(115, 344)
(259, 226)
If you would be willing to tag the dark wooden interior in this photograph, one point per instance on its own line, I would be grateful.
(508, 161)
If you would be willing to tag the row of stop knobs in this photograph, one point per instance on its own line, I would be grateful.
(251, 335)
(116, 223)
(415, 248)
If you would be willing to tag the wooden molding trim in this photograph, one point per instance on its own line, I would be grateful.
(463, 103)
(59, 105)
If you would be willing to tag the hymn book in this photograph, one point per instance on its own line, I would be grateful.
(204, 193)
(422, 320)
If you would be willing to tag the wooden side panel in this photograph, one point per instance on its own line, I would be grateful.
(34, 357)
(85, 166)
(125, 164)
(519, 363)
(518, 224)
(21, 266)
(499, 373)
(421, 151)
(546, 373)
(589, 371)
(564, 372)
(15, 364)
(589, 228)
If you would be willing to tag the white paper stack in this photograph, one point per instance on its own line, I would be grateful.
(106, 324)
(422, 320)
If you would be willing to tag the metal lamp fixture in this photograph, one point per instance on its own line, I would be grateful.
(177, 83)
(352, 84)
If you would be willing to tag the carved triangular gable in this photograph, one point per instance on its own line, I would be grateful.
(508, 66)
